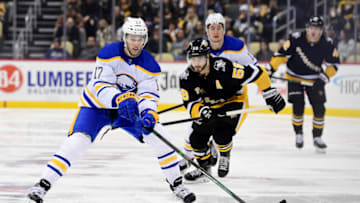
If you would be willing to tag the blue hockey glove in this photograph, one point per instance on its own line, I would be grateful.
(274, 99)
(127, 106)
(149, 119)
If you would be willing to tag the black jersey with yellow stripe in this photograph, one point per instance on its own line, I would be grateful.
(225, 83)
(305, 59)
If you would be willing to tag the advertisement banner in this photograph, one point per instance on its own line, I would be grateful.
(32, 83)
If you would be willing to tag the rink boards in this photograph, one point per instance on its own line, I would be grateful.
(58, 84)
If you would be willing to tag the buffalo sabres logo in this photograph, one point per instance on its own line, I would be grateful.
(126, 83)
(220, 64)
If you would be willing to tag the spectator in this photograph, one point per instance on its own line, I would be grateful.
(91, 50)
(241, 25)
(74, 4)
(346, 45)
(71, 12)
(72, 32)
(90, 25)
(229, 33)
(103, 33)
(197, 32)
(264, 54)
(2, 17)
(56, 52)
(178, 48)
(91, 8)
(142, 8)
(190, 19)
(153, 44)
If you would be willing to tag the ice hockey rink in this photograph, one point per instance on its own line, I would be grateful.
(265, 165)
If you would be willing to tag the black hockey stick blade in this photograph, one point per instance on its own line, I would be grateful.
(218, 183)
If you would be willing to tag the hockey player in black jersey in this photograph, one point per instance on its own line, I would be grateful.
(210, 87)
(305, 52)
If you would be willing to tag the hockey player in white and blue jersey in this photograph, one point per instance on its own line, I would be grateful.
(122, 93)
(235, 50)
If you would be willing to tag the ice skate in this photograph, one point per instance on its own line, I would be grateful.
(320, 145)
(182, 192)
(196, 176)
(224, 165)
(38, 191)
(184, 164)
(299, 141)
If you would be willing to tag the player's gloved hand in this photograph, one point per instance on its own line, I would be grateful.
(270, 70)
(206, 113)
(127, 106)
(274, 99)
(321, 81)
(149, 119)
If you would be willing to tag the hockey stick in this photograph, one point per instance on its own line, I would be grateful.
(171, 108)
(294, 81)
(227, 190)
(228, 113)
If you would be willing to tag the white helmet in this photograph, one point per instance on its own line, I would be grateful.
(214, 18)
(135, 26)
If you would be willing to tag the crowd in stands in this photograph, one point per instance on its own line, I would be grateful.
(89, 20)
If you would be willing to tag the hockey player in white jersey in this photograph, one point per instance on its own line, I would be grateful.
(122, 93)
(235, 50)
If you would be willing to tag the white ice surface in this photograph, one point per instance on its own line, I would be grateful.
(265, 165)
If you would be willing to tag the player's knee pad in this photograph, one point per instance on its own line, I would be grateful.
(298, 108)
(318, 109)
(223, 136)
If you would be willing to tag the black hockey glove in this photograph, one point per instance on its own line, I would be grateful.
(206, 113)
(274, 99)
(321, 81)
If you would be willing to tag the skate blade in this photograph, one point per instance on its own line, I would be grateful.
(199, 180)
(320, 150)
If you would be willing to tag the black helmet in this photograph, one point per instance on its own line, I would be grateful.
(198, 47)
(316, 21)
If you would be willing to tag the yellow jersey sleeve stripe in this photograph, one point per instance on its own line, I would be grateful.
(93, 97)
(195, 109)
(263, 81)
(110, 59)
(146, 71)
(330, 71)
(100, 85)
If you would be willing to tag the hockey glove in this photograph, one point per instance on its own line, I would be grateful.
(127, 106)
(270, 70)
(321, 81)
(149, 119)
(274, 99)
(206, 113)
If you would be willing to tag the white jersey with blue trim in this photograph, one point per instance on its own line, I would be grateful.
(116, 73)
(235, 50)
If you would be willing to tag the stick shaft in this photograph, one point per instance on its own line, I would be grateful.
(228, 113)
(218, 183)
(171, 108)
(294, 81)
